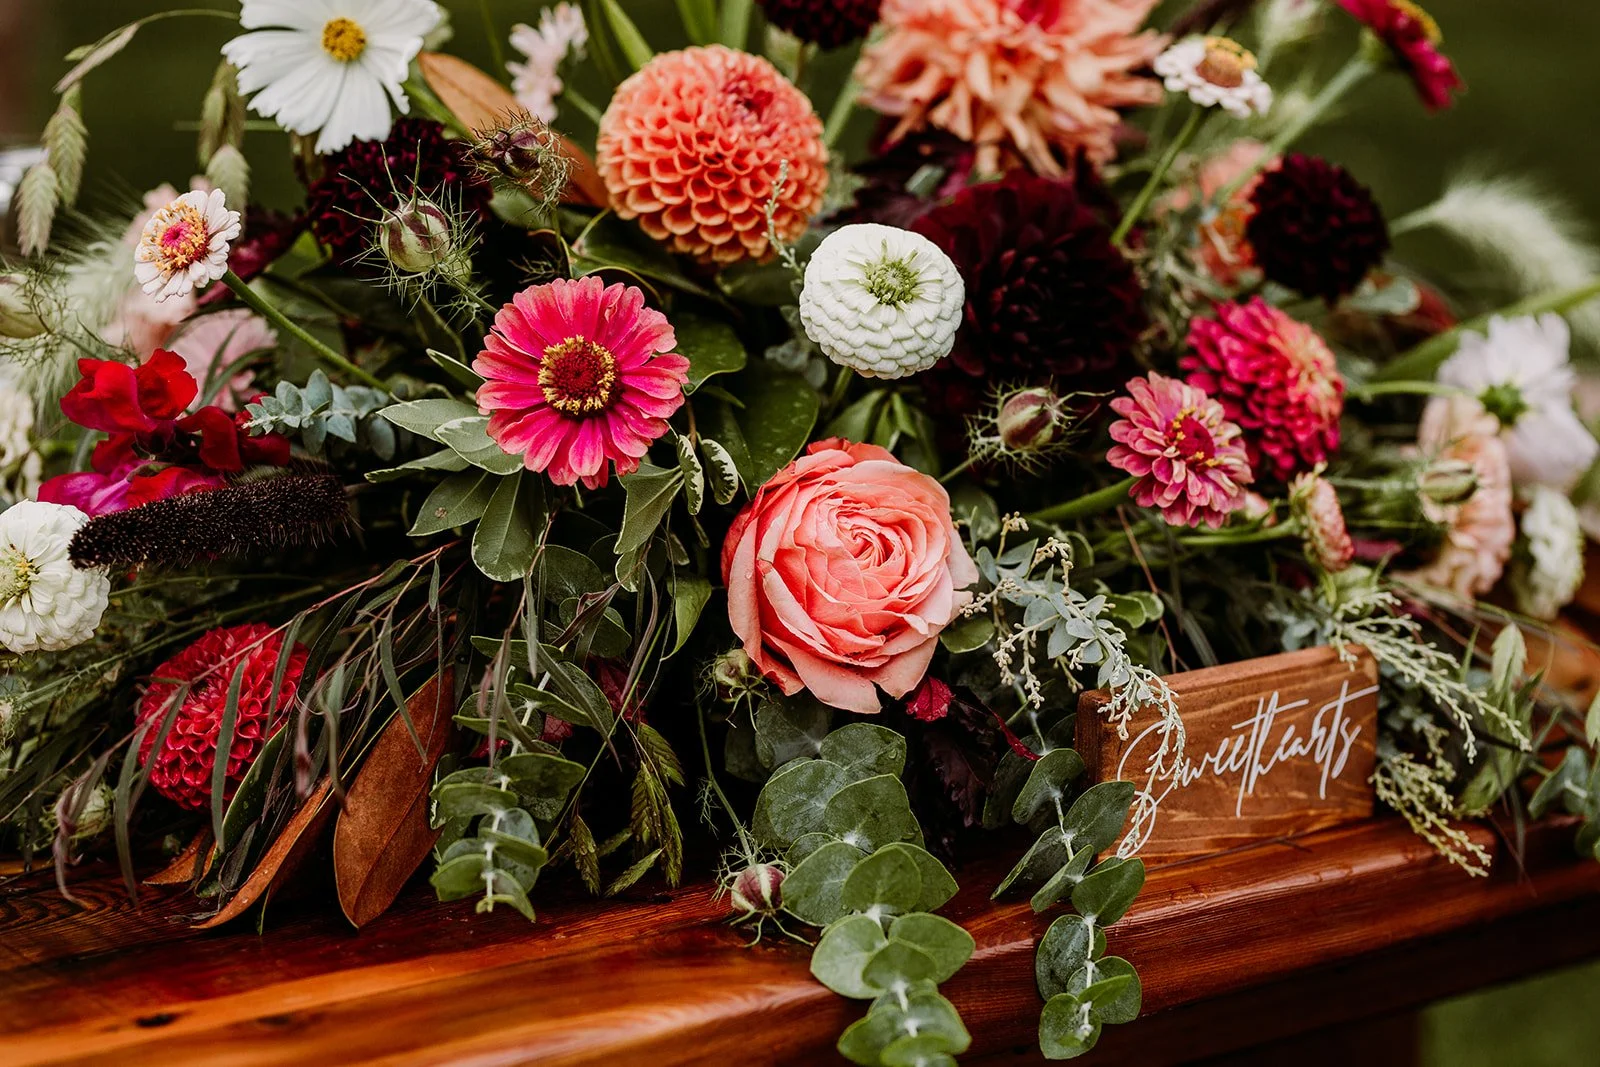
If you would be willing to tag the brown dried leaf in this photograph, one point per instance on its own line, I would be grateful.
(481, 103)
(383, 835)
(285, 856)
(185, 866)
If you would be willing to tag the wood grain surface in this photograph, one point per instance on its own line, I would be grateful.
(656, 978)
(1277, 746)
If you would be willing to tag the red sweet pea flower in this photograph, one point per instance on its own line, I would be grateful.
(1412, 37)
(117, 398)
(168, 482)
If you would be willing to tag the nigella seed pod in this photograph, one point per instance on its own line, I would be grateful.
(758, 890)
(416, 237)
(1030, 420)
(1448, 481)
(18, 320)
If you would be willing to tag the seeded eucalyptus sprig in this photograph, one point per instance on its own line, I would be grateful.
(325, 417)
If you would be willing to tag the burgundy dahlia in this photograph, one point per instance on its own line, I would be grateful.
(1050, 300)
(1316, 229)
(369, 177)
(181, 770)
(829, 23)
(1412, 37)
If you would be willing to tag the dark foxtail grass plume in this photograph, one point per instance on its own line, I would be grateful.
(252, 516)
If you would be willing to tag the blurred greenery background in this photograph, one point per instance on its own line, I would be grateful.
(1528, 64)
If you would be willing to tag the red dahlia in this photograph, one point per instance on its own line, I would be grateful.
(1315, 229)
(1412, 38)
(829, 23)
(1274, 377)
(181, 771)
(1049, 298)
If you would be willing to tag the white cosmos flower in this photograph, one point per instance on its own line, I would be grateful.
(328, 64)
(1215, 72)
(184, 246)
(1548, 567)
(882, 301)
(46, 602)
(537, 82)
(1520, 373)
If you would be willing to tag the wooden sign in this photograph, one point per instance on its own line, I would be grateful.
(1277, 746)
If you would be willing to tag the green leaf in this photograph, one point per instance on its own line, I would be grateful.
(710, 345)
(504, 544)
(1047, 783)
(609, 243)
(689, 595)
(1107, 892)
(504, 888)
(794, 802)
(1064, 1032)
(1043, 858)
(1424, 360)
(937, 884)
(790, 728)
(461, 876)
(945, 942)
(469, 438)
(721, 470)
(455, 799)
(887, 879)
(699, 20)
(1107, 991)
(251, 793)
(1591, 721)
(967, 634)
(458, 500)
(864, 750)
(871, 813)
(444, 460)
(856, 422)
(694, 478)
(736, 23)
(424, 417)
(842, 954)
(1118, 1003)
(780, 408)
(634, 47)
(650, 492)
(1558, 786)
(898, 964)
(520, 847)
(812, 891)
(917, 1050)
(1097, 816)
(926, 1014)
(1070, 943)
(543, 780)
(1061, 883)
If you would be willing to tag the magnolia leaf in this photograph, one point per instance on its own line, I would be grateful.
(794, 802)
(842, 955)
(283, 857)
(1070, 943)
(887, 880)
(813, 890)
(864, 749)
(1107, 892)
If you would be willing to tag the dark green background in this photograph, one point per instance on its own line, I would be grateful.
(1532, 75)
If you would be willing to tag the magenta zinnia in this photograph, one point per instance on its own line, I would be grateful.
(580, 376)
(1187, 456)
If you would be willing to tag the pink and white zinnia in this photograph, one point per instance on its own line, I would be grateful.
(184, 246)
(1188, 458)
(580, 376)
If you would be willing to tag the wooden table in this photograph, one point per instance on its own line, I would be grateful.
(1240, 950)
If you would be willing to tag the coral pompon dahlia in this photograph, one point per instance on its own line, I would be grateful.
(697, 142)
(1186, 455)
(1036, 79)
(201, 676)
(184, 246)
(1276, 378)
(580, 377)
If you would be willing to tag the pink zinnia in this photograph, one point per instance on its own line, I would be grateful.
(1186, 454)
(579, 376)
(1276, 378)
(1316, 505)
(1412, 37)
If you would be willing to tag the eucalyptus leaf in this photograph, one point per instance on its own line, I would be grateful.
(1107, 892)
(945, 942)
(812, 891)
(1047, 783)
(871, 813)
(1061, 883)
(1070, 943)
(842, 955)
(888, 880)
(1098, 815)
(795, 801)
(967, 634)
(865, 749)
(925, 1014)
(1045, 856)
(1064, 1031)
(1112, 1004)
(937, 884)
(790, 728)
(897, 964)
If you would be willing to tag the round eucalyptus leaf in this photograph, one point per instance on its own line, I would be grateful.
(1069, 944)
(1111, 1004)
(925, 1013)
(470, 798)
(920, 1050)
(1009, 777)
(806, 844)
(794, 800)
(1047, 783)
(871, 813)
(462, 875)
(811, 892)
(1107, 892)
(897, 964)
(1098, 815)
(1066, 1030)
(790, 729)
(841, 956)
(937, 884)
(887, 880)
(949, 946)
(864, 750)
(1062, 882)
(518, 849)
(1044, 857)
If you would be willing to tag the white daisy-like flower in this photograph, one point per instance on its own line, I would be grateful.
(46, 602)
(1520, 373)
(1215, 72)
(536, 83)
(330, 67)
(184, 246)
(1548, 566)
(882, 301)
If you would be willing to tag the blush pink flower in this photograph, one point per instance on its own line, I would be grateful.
(1316, 505)
(841, 573)
(1276, 378)
(1480, 531)
(1222, 248)
(1040, 79)
(211, 342)
(580, 377)
(1186, 455)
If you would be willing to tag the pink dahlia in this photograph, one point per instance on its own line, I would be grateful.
(1180, 445)
(1412, 37)
(1316, 505)
(1276, 378)
(1040, 79)
(580, 376)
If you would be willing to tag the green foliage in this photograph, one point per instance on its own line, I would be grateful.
(327, 419)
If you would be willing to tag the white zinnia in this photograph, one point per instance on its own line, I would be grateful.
(537, 82)
(46, 602)
(1215, 72)
(184, 246)
(1520, 372)
(882, 301)
(1549, 562)
(328, 64)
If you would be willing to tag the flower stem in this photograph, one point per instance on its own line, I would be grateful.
(1353, 73)
(839, 115)
(716, 788)
(841, 386)
(1271, 533)
(266, 310)
(1404, 388)
(1157, 176)
(955, 472)
(1090, 504)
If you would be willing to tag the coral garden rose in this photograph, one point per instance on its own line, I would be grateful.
(842, 572)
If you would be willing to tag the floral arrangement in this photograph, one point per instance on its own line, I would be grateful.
(658, 471)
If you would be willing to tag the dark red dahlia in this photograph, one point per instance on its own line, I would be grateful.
(905, 178)
(181, 771)
(369, 177)
(1050, 300)
(1316, 229)
(1276, 378)
(1412, 38)
(829, 23)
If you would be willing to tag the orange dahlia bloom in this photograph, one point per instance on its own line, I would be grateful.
(1041, 78)
(693, 144)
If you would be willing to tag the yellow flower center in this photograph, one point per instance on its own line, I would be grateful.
(1226, 63)
(177, 237)
(343, 39)
(16, 574)
(578, 377)
(1430, 25)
